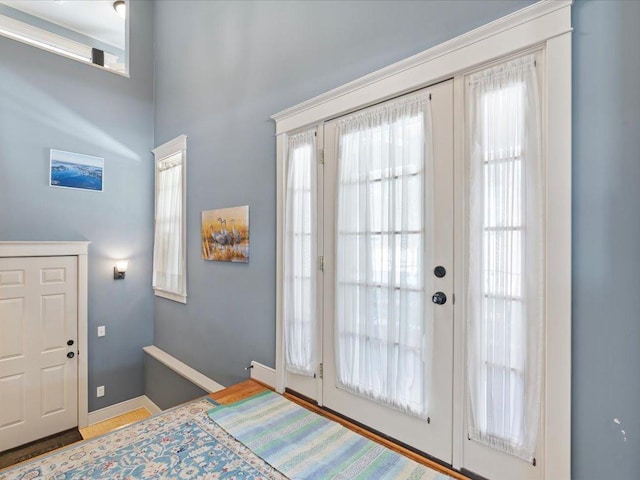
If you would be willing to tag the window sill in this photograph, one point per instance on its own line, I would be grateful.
(171, 296)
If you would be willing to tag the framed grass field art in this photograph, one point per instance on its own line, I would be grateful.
(75, 170)
(225, 234)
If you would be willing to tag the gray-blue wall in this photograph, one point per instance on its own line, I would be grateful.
(232, 66)
(606, 240)
(242, 62)
(47, 101)
(165, 387)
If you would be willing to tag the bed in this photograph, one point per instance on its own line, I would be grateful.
(263, 436)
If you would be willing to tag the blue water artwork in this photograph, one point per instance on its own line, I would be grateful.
(74, 170)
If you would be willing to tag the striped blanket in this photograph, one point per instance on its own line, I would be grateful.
(303, 445)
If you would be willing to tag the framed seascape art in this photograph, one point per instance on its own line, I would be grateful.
(74, 170)
(225, 234)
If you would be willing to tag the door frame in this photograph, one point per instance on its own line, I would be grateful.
(66, 249)
(545, 25)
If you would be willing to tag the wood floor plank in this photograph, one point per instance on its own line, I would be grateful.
(238, 392)
(114, 423)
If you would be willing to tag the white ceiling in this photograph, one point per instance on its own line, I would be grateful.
(93, 18)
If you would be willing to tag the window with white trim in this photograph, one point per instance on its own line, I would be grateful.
(169, 244)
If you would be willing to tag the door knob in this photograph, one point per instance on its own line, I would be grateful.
(69, 342)
(439, 271)
(71, 355)
(439, 298)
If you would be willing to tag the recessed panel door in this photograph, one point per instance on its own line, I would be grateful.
(38, 345)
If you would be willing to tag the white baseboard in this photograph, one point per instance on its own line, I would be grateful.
(123, 407)
(149, 405)
(264, 374)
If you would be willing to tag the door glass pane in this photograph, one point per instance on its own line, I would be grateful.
(381, 326)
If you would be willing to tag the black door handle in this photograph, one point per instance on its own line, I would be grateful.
(439, 298)
(71, 355)
(69, 342)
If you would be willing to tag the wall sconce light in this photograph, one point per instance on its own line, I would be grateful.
(120, 269)
(121, 8)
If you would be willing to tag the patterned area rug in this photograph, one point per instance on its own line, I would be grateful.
(182, 443)
(304, 445)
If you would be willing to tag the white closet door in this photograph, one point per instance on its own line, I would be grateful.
(38, 367)
(395, 335)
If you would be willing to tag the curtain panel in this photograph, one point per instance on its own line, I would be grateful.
(383, 328)
(506, 258)
(300, 252)
(168, 264)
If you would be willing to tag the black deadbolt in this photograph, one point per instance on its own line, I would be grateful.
(69, 342)
(71, 355)
(439, 271)
(439, 298)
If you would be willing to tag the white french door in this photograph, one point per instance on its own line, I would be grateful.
(380, 318)
(38, 344)
(388, 223)
(491, 371)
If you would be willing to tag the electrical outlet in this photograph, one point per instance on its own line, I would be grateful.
(100, 391)
(102, 331)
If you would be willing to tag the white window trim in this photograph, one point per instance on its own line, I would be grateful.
(37, 37)
(546, 25)
(178, 144)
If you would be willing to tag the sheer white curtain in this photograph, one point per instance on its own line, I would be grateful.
(168, 261)
(300, 322)
(506, 258)
(383, 329)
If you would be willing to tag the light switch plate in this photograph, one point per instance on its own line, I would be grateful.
(102, 331)
(100, 391)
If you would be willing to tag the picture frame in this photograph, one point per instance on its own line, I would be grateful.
(76, 171)
(225, 234)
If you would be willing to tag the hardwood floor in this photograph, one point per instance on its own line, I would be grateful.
(238, 392)
(114, 423)
(251, 387)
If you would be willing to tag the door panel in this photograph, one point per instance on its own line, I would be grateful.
(38, 315)
(12, 393)
(432, 435)
(52, 310)
(12, 326)
(497, 465)
(53, 389)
